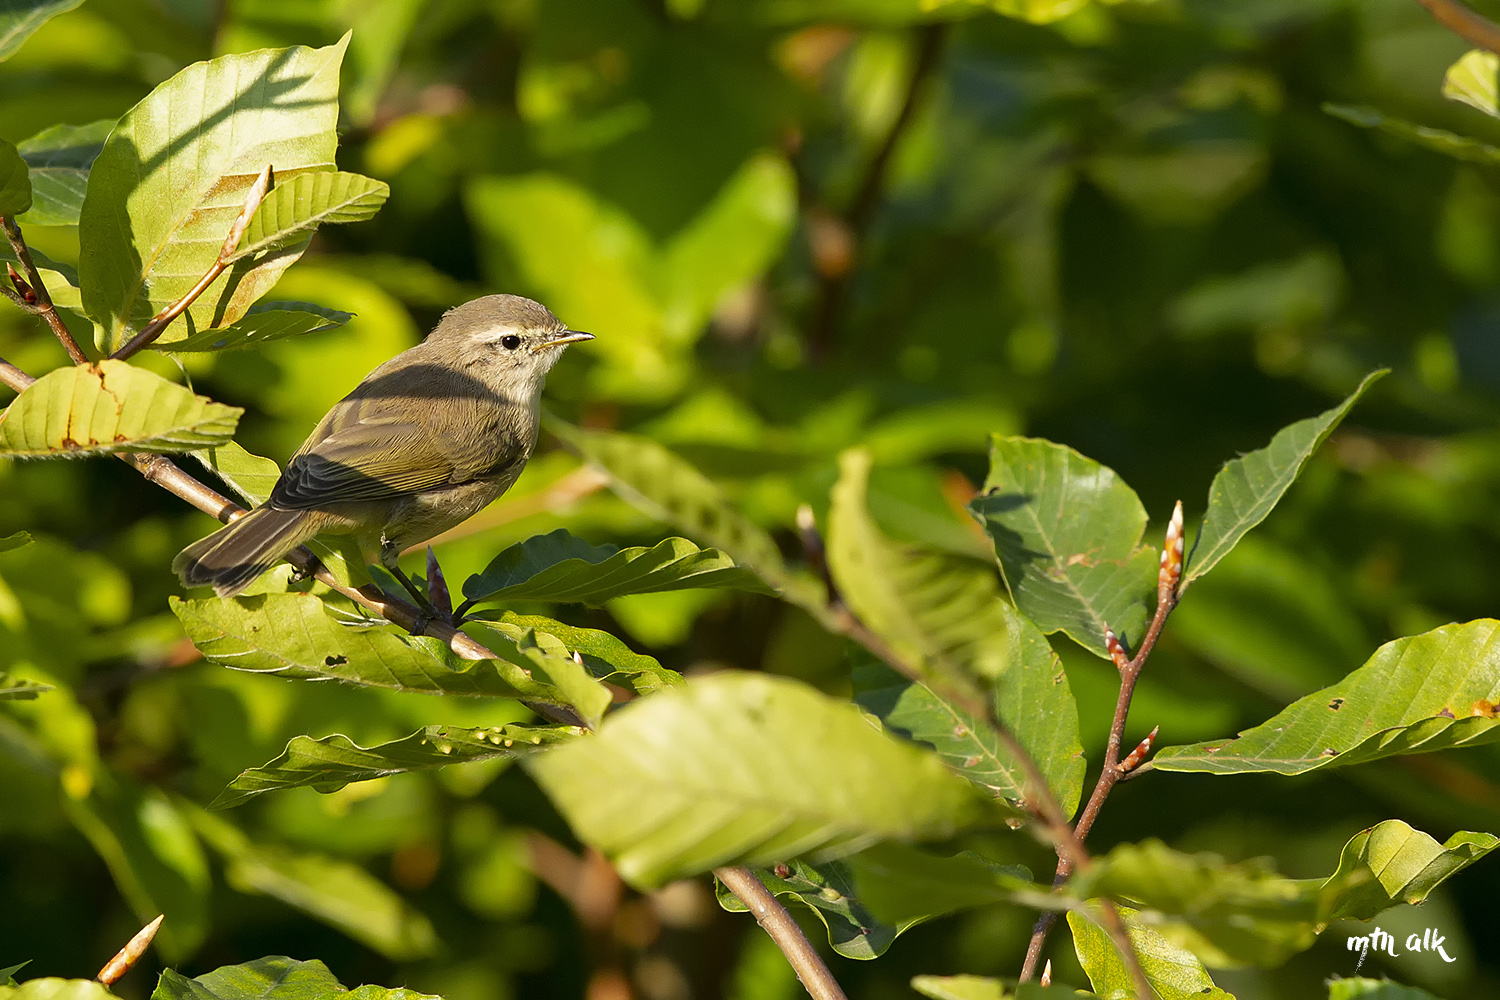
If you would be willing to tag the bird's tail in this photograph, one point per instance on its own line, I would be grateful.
(231, 558)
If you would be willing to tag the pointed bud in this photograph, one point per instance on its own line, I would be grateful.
(130, 954)
(27, 293)
(1171, 558)
(1116, 650)
(437, 587)
(253, 198)
(1047, 973)
(1139, 753)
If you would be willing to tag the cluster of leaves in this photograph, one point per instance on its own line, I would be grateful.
(684, 262)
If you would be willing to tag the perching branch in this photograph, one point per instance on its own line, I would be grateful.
(40, 302)
(163, 319)
(1472, 27)
(1167, 587)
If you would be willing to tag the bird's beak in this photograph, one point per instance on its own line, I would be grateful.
(568, 337)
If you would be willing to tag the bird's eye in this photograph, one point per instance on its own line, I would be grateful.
(510, 342)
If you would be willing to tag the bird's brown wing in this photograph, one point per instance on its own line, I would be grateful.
(381, 449)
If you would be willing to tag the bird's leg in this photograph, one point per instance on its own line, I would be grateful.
(390, 556)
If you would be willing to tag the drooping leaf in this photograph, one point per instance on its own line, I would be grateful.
(59, 158)
(1173, 972)
(338, 893)
(965, 987)
(51, 988)
(332, 762)
(1472, 81)
(669, 488)
(1359, 988)
(14, 688)
(15, 182)
(604, 654)
(263, 322)
(1067, 532)
(560, 567)
(8, 542)
(868, 899)
(173, 176)
(738, 768)
(945, 615)
(1246, 489)
(261, 979)
(111, 407)
(19, 18)
(293, 209)
(1238, 914)
(292, 635)
(1426, 692)
(1460, 147)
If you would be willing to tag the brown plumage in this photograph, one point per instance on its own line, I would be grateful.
(425, 441)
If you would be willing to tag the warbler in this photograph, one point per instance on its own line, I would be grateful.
(427, 440)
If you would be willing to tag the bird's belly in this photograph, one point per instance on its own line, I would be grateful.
(432, 512)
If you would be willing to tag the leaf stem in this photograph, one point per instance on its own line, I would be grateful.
(43, 305)
(778, 923)
(1472, 27)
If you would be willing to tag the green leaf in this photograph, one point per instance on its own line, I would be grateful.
(1173, 972)
(1374, 989)
(1067, 532)
(1237, 914)
(669, 488)
(59, 158)
(263, 322)
(8, 542)
(1426, 692)
(293, 635)
(605, 655)
(737, 768)
(1472, 81)
(262, 979)
(173, 175)
(9, 972)
(111, 407)
(50, 988)
(19, 18)
(867, 900)
(250, 476)
(14, 688)
(985, 988)
(15, 182)
(292, 210)
(332, 762)
(1246, 489)
(564, 569)
(945, 615)
(1460, 147)
(338, 893)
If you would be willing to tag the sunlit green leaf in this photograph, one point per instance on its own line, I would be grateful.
(1472, 81)
(19, 18)
(14, 688)
(1067, 532)
(49, 988)
(332, 762)
(1174, 973)
(173, 176)
(15, 183)
(562, 568)
(605, 655)
(264, 321)
(1427, 692)
(984, 988)
(292, 635)
(1359, 988)
(945, 616)
(868, 899)
(59, 158)
(293, 209)
(111, 407)
(9, 972)
(262, 979)
(738, 768)
(1246, 489)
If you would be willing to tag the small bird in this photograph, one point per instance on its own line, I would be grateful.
(427, 440)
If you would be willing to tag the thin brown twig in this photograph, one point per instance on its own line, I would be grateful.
(163, 319)
(834, 283)
(43, 306)
(1111, 774)
(778, 923)
(1469, 25)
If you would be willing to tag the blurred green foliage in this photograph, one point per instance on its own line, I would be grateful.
(795, 226)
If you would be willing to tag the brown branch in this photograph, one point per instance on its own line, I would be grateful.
(163, 319)
(1472, 27)
(1168, 581)
(43, 306)
(778, 923)
(834, 279)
